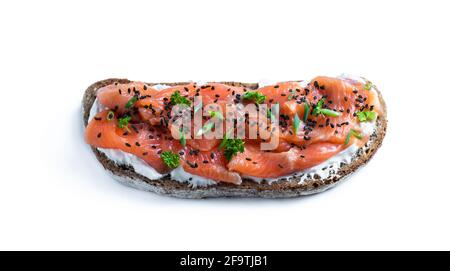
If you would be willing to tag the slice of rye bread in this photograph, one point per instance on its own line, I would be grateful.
(280, 189)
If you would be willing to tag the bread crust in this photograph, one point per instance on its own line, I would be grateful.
(248, 188)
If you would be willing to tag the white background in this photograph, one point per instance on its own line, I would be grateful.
(54, 194)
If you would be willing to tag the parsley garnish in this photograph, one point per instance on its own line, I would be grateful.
(176, 98)
(182, 137)
(324, 111)
(353, 133)
(330, 113)
(296, 123)
(254, 96)
(306, 112)
(368, 85)
(231, 146)
(366, 116)
(172, 160)
(131, 102)
(123, 122)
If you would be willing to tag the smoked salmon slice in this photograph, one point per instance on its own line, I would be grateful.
(253, 162)
(142, 140)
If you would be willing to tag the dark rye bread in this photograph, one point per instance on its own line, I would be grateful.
(248, 188)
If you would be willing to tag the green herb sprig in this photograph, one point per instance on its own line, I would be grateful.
(297, 122)
(254, 96)
(354, 133)
(306, 112)
(172, 160)
(131, 102)
(318, 109)
(123, 122)
(176, 98)
(231, 146)
(364, 116)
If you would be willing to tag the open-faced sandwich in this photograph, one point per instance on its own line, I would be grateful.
(230, 139)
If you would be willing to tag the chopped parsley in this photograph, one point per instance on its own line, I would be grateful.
(123, 122)
(330, 113)
(296, 123)
(366, 116)
(368, 85)
(182, 137)
(352, 133)
(231, 146)
(254, 96)
(172, 160)
(306, 114)
(324, 111)
(176, 98)
(131, 102)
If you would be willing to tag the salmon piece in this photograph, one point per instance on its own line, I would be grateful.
(211, 165)
(117, 96)
(143, 141)
(203, 144)
(253, 162)
(158, 106)
(340, 95)
(281, 92)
